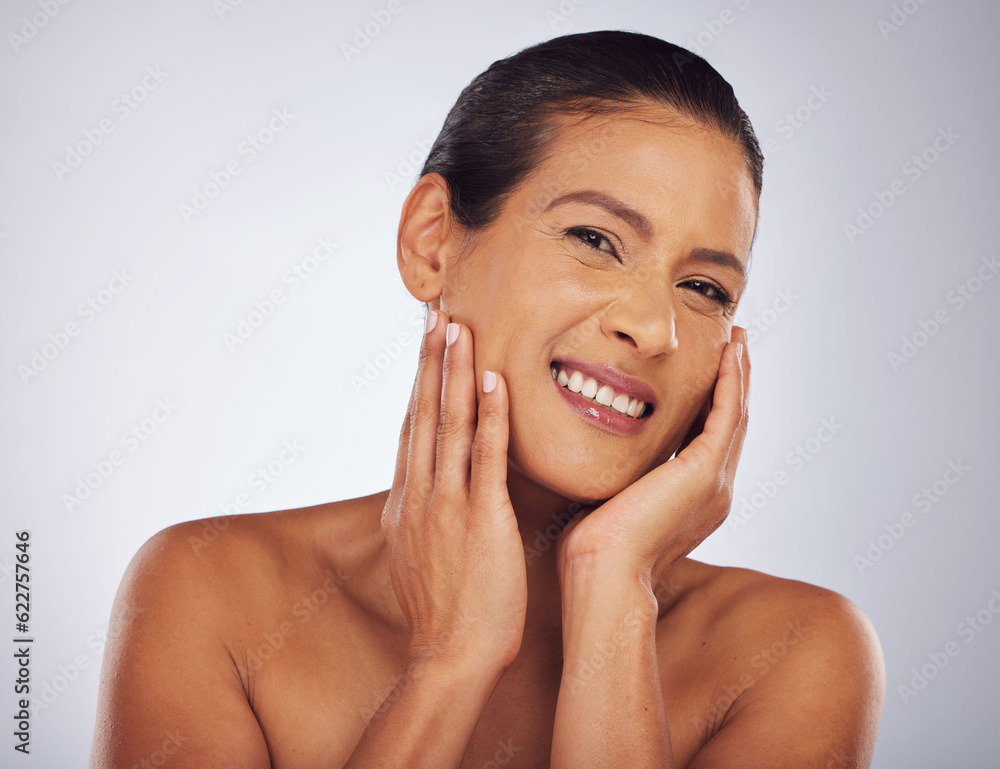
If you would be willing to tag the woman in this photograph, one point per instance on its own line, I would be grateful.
(520, 595)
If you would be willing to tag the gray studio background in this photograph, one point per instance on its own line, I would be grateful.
(872, 302)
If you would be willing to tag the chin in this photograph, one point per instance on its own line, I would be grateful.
(577, 478)
(590, 468)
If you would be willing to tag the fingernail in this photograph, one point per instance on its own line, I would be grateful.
(451, 335)
(739, 351)
(489, 381)
(430, 320)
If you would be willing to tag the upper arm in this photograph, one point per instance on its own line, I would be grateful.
(820, 701)
(169, 688)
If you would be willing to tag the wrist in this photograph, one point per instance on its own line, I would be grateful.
(575, 560)
(607, 616)
(596, 582)
(577, 566)
(455, 668)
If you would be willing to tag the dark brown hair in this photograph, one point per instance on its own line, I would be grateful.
(497, 131)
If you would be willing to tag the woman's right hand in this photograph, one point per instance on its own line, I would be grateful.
(455, 554)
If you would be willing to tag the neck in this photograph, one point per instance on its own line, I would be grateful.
(541, 514)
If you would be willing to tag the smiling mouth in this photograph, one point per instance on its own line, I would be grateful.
(600, 394)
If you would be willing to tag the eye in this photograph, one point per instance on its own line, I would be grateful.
(594, 240)
(711, 291)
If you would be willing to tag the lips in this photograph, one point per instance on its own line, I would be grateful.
(619, 382)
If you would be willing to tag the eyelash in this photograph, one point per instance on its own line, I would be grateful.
(721, 298)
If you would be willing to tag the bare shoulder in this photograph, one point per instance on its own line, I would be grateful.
(171, 681)
(209, 562)
(759, 601)
(255, 556)
(804, 677)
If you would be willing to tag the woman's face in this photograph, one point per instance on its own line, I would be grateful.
(609, 253)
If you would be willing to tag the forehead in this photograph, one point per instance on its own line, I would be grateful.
(658, 160)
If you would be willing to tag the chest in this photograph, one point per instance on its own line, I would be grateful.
(315, 696)
(315, 716)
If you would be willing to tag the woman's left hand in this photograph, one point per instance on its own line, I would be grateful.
(667, 512)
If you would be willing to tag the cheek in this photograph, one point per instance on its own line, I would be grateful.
(702, 359)
(698, 380)
(707, 372)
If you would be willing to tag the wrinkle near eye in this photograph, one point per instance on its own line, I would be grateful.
(551, 233)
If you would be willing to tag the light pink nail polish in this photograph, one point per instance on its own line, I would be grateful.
(430, 320)
(451, 335)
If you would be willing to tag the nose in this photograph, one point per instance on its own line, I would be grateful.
(644, 318)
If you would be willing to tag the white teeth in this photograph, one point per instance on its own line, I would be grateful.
(603, 395)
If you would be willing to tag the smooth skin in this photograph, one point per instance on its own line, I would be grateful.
(439, 623)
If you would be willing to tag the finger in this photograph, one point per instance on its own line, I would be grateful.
(404, 440)
(488, 477)
(457, 421)
(403, 449)
(423, 415)
(739, 334)
(727, 410)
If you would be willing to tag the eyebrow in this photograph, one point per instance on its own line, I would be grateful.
(612, 205)
(722, 258)
(641, 224)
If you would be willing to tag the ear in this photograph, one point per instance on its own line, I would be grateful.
(426, 239)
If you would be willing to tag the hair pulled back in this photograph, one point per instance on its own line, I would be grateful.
(498, 130)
